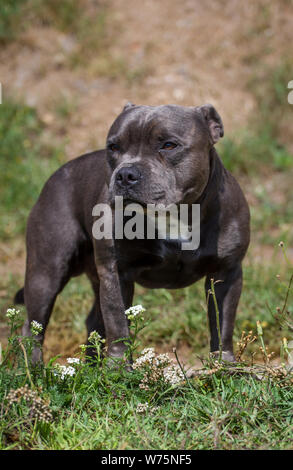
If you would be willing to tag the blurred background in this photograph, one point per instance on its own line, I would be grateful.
(67, 68)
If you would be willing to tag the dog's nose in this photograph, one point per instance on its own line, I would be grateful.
(127, 176)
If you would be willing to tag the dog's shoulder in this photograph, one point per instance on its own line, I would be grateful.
(82, 164)
(234, 223)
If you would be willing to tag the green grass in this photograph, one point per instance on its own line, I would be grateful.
(25, 165)
(84, 22)
(68, 16)
(273, 213)
(10, 19)
(97, 407)
(254, 151)
(219, 413)
(85, 25)
(260, 147)
(177, 318)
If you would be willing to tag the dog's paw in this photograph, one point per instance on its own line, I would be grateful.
(227, 356)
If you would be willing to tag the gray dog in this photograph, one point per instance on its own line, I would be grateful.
(163, 155)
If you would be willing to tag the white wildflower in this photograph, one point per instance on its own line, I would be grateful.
(142, 407)
(135, 310)
(162, 360)
(73, 360)
(154, 409)
(146, 357)
(36, 327)
(173, 374)
(12, 312)
(64, 371)
(157, 368)
(148, 351)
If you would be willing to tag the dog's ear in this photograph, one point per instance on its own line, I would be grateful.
(213, 120)
(128, 106)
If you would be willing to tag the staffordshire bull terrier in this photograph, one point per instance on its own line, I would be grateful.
(154, 154)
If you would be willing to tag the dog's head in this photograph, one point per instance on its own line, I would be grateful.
(160, 154)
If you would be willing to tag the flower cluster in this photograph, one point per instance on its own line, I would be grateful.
(173, 374)
(146, 358)
(64, 371)
(73, 360)
(36, 328)
(134, 311)
(157, 368)
(95, 337)
(144, 407)
(12, 313)
(38, 408)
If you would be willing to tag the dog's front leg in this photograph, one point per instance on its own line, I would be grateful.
(112, 302)
(113, 310)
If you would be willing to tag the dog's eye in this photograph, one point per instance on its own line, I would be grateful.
(113, 147)
(169, 146)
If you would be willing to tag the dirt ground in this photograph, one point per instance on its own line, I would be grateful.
(190, 52)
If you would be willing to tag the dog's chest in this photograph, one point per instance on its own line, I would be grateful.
(163, 264)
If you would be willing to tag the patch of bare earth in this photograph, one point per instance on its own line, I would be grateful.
(187, 52)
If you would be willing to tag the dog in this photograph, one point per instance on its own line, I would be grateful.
(154, 155)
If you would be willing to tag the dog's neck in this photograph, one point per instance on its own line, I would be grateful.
(214, 184)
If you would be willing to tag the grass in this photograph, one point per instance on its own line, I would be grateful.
(250, 152)
(177, 318)
(263, 147)
(10, 19)
(260, 154)
(221, 413)
(67, 16)
(25, 165)
(98, 407)
(273, 212)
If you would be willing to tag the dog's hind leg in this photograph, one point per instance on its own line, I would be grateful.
(228, 285)
(40, 292)
(19, 297)
(94, 321)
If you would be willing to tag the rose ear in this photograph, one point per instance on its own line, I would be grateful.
(128, 106)
(213, 120)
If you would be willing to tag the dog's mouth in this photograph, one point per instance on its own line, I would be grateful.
(154, 195)
(126, 200)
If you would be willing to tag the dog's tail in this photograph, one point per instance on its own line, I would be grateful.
(19, 297)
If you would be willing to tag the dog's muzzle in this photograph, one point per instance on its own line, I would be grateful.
(127, 177)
